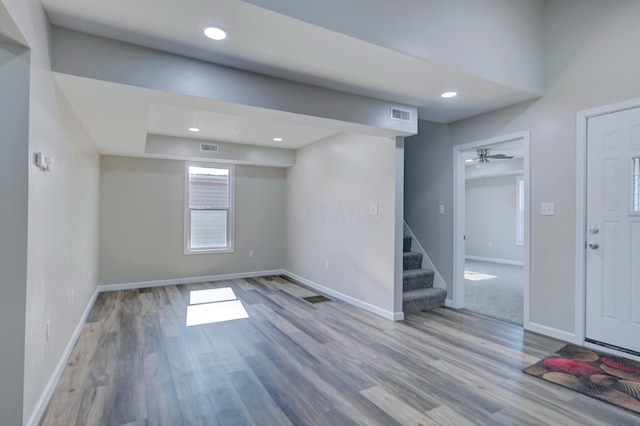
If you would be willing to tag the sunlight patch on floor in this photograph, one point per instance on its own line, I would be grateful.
(211, 295)
(214, 305)
(477, 276)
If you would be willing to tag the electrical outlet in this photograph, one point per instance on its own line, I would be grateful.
(326, 264)
(250, 253)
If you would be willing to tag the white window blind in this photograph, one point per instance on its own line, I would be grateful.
(208, 213)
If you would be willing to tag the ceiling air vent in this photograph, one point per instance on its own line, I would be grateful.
(401, 114)
(208, 147)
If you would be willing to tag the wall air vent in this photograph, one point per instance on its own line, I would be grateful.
(401, 114)
(208, 147)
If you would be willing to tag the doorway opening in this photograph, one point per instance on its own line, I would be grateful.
(491, 228)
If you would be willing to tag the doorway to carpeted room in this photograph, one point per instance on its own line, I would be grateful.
(494, 290)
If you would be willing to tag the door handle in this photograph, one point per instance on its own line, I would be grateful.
(593, 246)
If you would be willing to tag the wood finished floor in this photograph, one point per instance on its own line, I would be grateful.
(296, 363)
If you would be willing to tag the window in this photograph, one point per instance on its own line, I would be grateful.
(520, 211)
(635, 186)
(208, 208)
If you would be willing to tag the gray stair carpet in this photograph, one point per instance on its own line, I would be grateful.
(417, 283)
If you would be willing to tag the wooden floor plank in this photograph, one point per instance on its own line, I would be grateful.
(292, 362)
(284, 393)
(163, 407)
(444, 415)
(403, 413)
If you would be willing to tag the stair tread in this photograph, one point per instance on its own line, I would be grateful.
(417, 272)
(412, 253)
(423, 292)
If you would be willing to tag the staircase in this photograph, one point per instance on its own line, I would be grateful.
(417, 283)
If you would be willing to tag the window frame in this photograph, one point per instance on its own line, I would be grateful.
(229, 248)
(635, 186)
(520, 213)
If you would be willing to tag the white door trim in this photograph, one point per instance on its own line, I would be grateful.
(459, 217)
(581, 207)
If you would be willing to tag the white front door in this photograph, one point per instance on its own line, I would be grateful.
(613, 230)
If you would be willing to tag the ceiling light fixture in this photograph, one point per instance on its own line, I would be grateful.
(215, 33)
(193, 129)
(449, 94)
(278, 139)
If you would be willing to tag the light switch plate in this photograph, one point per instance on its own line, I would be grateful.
(547, 208)
(441, 209)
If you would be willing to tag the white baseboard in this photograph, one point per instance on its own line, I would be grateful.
(398, 316)
(552, 332)
(177, 281)
(47, 392)
(393, 316)
(449, 303)
(494, 260)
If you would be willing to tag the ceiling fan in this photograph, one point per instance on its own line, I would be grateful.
(484, 156)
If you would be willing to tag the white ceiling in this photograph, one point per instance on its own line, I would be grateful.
(262, 41)
(170, 120)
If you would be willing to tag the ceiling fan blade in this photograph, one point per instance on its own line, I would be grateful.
(500, 156)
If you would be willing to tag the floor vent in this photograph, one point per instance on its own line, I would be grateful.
(208, 147)
(317, 299)
(401, 114)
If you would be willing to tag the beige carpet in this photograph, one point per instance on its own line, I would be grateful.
(494, 290)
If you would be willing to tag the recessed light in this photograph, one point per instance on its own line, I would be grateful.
(468, 160)
(449, 94)
(193, 129)
(278, 139)
(215, 33)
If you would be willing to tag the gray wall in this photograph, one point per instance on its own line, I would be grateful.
(14, 181)
(490, 226)
(590, 61)
(52, 224)
(329, 192)
(428, 182)
(142, 222)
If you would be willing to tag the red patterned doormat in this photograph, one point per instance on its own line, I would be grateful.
(606, 377)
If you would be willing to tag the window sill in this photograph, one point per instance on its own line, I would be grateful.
(209, 251)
